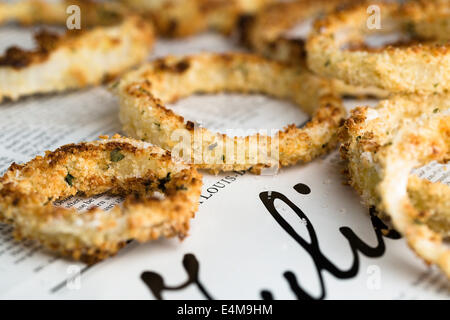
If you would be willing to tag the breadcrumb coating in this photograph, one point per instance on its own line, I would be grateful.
(267, 34)
(422, 65)
(161, 196)
(143, 93)
(382, 146)
(77, 59)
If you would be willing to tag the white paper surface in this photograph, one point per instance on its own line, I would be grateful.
(242, 251)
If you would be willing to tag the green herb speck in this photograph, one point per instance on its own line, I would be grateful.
(116, 155)
(69, 179)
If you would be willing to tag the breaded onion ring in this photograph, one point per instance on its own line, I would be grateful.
(267, 34)
(181, 18)
(336, 48)
(144, 92)
(382, 146)
(266, 31)
(77, 59)
(134, 169)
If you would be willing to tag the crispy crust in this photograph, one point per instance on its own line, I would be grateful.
(119, 165)
(382, 146)
(142, 95)
(421, 67)
(181, 18)
(76, 59)
(265, 33)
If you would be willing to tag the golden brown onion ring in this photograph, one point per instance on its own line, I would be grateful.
(144, 92)
(382, 147)
(336, 48)
(75, 60)
(161, 197)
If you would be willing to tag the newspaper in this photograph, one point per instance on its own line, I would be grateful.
(293, 235)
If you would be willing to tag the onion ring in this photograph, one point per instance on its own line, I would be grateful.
(119, 165)
(76, 59)
(382, 146)
(181, 18)
(336, 48)
(266, 34)
(266, 31)
(142, 94)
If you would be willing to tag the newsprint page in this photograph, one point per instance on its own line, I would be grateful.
(301, 233)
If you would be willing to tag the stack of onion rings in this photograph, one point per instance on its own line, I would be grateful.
(382, 146)
(336, 48)
(76, 59)
(144, 92)
(161, 197)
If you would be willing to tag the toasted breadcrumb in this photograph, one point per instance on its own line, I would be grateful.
(120, 166)
(75, 60)
(143, 93)
(421, 66)
(382, 146)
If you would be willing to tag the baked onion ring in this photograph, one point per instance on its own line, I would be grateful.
(336, 48)
(267, 34)
(382, 147)
(74, 60)
(266, 31)
(181, 18)
(121, 166)
(142, 94)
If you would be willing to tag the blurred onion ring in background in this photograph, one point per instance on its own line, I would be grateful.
(421, 64)
(161, 197)
(144, 92)
(76, 59)
(181, 18)
(267, 34)
(382, 147)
